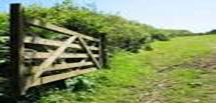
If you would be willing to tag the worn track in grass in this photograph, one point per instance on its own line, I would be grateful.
(205, 82)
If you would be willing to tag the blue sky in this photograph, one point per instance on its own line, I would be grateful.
(194, 15)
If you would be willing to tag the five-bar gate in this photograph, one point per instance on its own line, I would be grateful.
(36, 60)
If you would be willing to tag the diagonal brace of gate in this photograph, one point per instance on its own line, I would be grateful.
(90, 54)
(53, 57)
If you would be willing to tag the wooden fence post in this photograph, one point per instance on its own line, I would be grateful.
(103, 50)
(16, 49)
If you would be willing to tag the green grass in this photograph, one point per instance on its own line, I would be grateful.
(162, 75)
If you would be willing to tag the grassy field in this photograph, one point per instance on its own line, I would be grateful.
(176, 71)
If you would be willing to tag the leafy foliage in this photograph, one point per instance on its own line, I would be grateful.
(4, 24)
(4, 28)
(80, 84)
(122, 33)
(160, 37)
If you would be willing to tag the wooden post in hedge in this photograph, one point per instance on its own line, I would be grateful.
(103, 50)
(16, 49)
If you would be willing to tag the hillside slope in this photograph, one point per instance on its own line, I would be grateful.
(177, 71)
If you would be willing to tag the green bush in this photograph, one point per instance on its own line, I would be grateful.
(160, 37)
(121, 33)
(4, 28)
(80, 84)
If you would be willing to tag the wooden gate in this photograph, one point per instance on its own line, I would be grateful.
(36, 60)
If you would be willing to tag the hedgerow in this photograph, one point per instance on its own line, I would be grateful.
(121, 33)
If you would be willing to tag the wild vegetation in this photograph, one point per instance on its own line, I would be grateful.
(3, 37)
(122, 33)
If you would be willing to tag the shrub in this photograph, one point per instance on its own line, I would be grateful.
(80, 84)
(160, 37)
(121, 33)
(4, 28)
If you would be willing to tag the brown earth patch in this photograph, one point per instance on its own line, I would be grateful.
(205, 63)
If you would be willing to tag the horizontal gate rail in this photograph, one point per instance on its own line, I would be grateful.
(36, 60)
(41, 41)
(64, 66)
(38, 23)
(41, 55)
(48, 79)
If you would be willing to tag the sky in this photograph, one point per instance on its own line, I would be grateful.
(194, 15)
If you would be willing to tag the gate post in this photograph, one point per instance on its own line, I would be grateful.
(16, 50)
(103, 50)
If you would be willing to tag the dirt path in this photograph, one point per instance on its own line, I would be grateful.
(209, 63)
(205, 83)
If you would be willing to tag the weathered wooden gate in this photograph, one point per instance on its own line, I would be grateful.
(36, 60)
